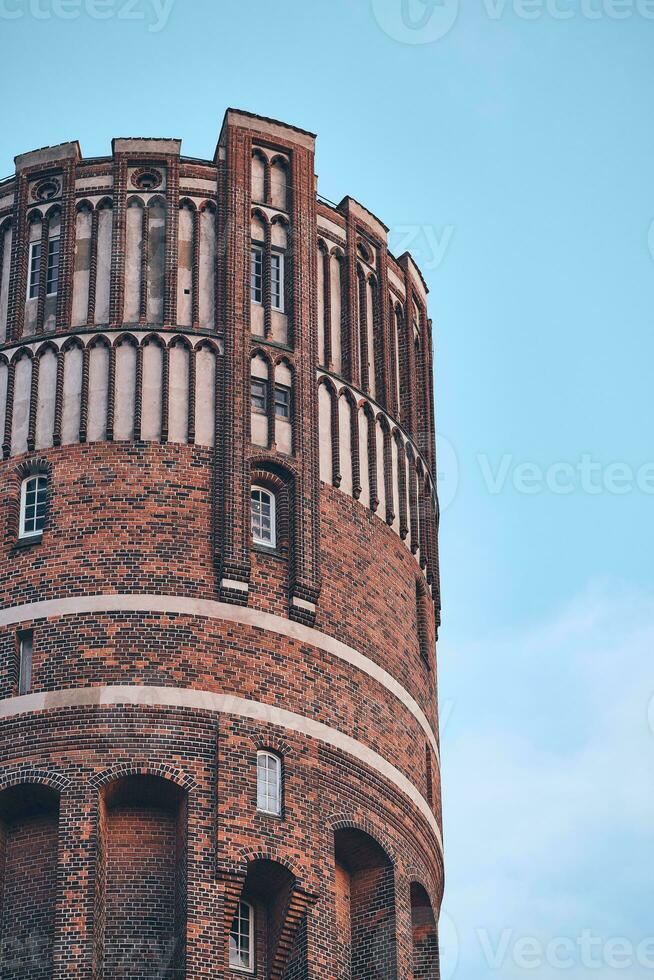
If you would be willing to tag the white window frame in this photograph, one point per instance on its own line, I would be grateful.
(30, 271)
(256, 538)
(278, 307)
(258, 249)
(23, 533)
(263, 797)
(34, 286)
(55, 290)
(236, 953)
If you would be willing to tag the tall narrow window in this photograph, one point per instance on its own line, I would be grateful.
(33, 496)
(35, 270)
(241, 938)
(277, 281)
(282, 402)
(256, 274)
(25, 648)
(269, 783)
(53, 267)
(263, 517)
(259, 394)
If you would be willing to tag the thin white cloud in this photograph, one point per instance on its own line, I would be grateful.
(548, 768)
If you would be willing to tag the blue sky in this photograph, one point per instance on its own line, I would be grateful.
(511, 142)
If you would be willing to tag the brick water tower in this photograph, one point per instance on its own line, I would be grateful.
(219, 584)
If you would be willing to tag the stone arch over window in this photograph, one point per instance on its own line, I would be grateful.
(424, 932)
(365, 927)
(29, 845)
(141, 870)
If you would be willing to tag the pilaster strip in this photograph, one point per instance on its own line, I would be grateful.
(59, 398)
(34, 401)
(19, 259)
(43, 273)
(9, 411)
(93, 268)
(172, 236)
(145, 257)
(117, 290)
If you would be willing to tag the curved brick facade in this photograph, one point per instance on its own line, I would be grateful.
(173, 332)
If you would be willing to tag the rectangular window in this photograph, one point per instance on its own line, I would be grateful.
(241, 938)
(35, 270)
(52, 278)
(25, 647)
(282, 402)
(263, 517)
(33, 498)
(259, 393)
(53, 267)
(256, 275)
(277, 281)
(269, 783)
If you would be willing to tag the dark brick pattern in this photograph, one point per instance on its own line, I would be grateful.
(129, 832)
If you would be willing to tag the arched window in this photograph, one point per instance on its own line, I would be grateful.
(263, 516)
(269, 783)
(33, 497)
(241, 938)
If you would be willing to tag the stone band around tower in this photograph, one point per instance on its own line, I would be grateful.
(220, 580)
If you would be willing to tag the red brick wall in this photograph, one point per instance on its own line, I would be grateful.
(29, 892)
(131, 865)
